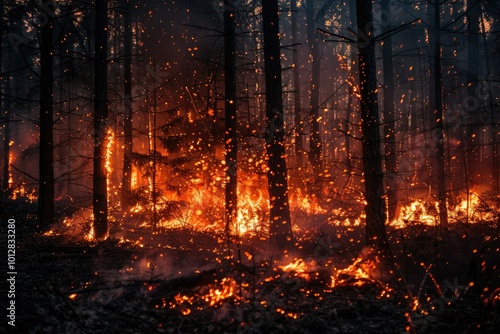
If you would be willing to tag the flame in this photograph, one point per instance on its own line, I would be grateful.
(356, 274)
(469, 210)
(301, 267)
(11, 160)
(23, 192)
(215, 295)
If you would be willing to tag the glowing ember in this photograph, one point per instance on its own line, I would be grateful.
(213, 297)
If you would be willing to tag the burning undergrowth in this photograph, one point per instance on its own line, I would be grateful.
(188, 278)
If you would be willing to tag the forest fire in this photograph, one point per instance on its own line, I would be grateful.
(252, 166)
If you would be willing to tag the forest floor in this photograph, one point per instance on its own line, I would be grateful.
(446, 281)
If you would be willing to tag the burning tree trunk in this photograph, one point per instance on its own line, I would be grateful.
(370, 128)
(298, 124)
(437, 106)
(127, 122)
(230, 114)
(391, 165)
(314, 135)
(280, 230)
(45, 216)
(100, 205)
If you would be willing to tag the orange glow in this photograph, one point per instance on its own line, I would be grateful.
(301, 267)
(427, 212)
(357, 273)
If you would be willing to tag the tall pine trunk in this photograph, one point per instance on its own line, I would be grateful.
(391, 164)
(473, 163)
(280, 230)
(230, 115)
(437, 106)
(298, 124)
(100, 205)
(314, 135)
(370, 128)
(45, 216)
(127, 121)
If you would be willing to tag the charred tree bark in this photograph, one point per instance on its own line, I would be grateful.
(314, 135)
(127, 121)
(472, 103)
(45, 217)
(230, 115)
(298, 123)
(493, 67)
(391, 164)
(436, 94)
(370, 128)
(280, 230)
(99, 200)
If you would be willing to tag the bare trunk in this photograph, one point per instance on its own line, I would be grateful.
(391, 164)
(438, 116)
(298, 123)
(472, 103)
(127, 121)
(45, 216)
(314, 135)
(100, 205)
(370, 128)
(230, 115)
(280, 230)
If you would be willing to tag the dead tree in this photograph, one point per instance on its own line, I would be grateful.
(230, 114)
(280, 230)
(298, 123)
(370, 128)
(391, 164)
(45, 215)
(99, 200)
(436, 92)
(314, 135)
(127, 121)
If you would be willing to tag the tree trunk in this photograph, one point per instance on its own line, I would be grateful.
(127, 121)
(391, 164)
(100, 205)
(280, 231)
(45, 216)
(298, 123)
(472, 103)
(370, 128)
(314, 135)
(437, 106)
(230, 115)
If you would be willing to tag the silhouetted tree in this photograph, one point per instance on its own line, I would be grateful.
(314, 135)
(280, 230)
(370, 130)
(230, 107)
(391, 164)
(99, 199)
(127, 121)
(45, 216)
